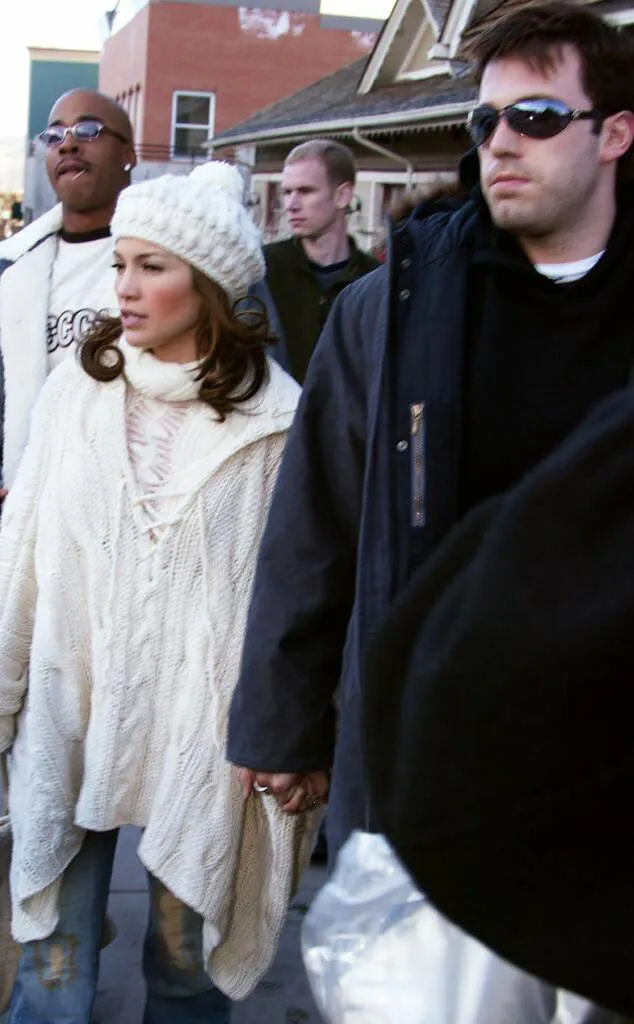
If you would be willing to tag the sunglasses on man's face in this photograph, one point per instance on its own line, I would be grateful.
(83, 131)
(534, 118)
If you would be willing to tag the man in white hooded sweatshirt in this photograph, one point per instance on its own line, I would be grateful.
(57, 272)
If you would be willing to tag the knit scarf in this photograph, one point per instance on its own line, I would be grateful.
(170, 382)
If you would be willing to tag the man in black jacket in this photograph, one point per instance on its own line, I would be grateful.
(440, 381)
(306, 272)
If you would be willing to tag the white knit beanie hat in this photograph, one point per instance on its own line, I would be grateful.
(200, 218)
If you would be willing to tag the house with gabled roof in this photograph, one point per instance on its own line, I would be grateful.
(402, 110)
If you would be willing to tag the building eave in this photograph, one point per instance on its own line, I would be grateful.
(457, 20)
(462, 12)
(63, 56)
(384, 44)
(431, 15)
(443, 116)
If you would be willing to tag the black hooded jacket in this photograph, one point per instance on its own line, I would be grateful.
(369, 487)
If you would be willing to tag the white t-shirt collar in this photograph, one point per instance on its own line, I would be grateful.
(565, 273)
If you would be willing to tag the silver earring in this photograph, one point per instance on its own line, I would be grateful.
(128, 167)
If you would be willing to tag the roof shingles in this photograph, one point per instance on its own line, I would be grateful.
(336, 98)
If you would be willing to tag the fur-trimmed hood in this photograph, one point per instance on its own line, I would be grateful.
(24, 291)
(49, 223)
(430, 196)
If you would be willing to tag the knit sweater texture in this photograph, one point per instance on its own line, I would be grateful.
(125, 608)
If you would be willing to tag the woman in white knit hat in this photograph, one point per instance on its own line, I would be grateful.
(127, 553)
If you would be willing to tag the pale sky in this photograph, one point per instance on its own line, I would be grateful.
(62, 24)
(80, 24)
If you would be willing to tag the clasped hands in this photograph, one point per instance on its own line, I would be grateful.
(295, 794)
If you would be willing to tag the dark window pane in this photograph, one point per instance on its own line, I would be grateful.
(192, 110)
(189, 141)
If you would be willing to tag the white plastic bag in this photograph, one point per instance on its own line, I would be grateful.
(377, 952)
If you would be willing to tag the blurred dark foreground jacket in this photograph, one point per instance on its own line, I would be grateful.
(503, 770)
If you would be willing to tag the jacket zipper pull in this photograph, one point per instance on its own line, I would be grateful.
(417, 427)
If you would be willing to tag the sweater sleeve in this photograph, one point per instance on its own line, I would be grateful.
(18, 588)
(282, 717)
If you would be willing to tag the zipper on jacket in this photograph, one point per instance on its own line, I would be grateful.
(417, 448)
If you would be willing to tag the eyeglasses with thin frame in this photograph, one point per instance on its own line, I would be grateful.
(535, 118)
(83, 131)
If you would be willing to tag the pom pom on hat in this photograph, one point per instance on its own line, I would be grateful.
(201, 218)
(218, 176)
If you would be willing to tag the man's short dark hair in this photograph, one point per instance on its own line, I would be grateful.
(336, 158)
(537, 34)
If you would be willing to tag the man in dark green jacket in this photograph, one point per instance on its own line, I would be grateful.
(305, 273)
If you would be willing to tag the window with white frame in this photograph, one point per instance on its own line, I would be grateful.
(192, 122)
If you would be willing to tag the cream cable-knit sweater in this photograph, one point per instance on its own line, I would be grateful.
(130, 619)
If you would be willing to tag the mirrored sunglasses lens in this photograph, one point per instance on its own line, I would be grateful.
(88, 130)
(52, 136)
(537, 121)
(482, 124)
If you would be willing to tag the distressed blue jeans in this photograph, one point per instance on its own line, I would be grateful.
(57, 977)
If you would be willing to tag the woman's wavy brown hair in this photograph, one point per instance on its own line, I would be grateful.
(231, 345)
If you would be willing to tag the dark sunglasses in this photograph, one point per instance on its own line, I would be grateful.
(83, 131)
(534, 118)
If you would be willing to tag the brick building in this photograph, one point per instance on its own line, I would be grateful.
(187, 69)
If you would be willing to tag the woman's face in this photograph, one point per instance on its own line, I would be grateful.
(158, 303)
